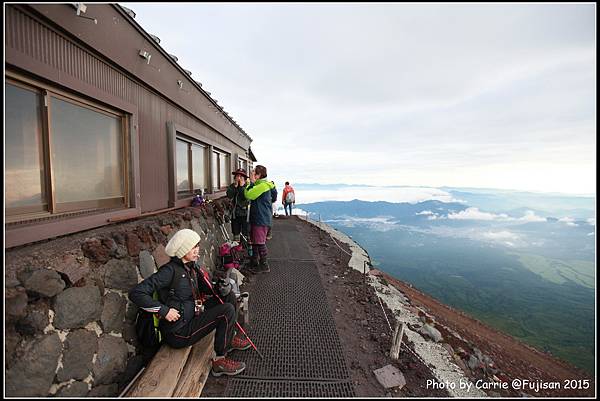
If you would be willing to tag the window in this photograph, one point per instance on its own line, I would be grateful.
(221, 176)
(224, 172)
(215, 170)
(191, 168)
(71, 158)
(87, 156)
(243, 164)
(24, 175)
(199, 176)
(183, 163)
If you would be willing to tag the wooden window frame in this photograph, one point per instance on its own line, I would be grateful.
(112, 202)
(221, 153)
(176, 131)
(129, 156)
(181, 194)
(25, 229)
(16, 213)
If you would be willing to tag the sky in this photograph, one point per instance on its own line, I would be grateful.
(462, 95)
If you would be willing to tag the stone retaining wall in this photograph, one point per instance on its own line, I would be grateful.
(69, 327)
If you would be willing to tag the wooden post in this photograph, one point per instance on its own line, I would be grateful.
(320, 228)
(397, 341)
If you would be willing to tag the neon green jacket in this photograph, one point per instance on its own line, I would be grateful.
(262, 194)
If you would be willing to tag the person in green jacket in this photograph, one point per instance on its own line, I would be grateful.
(262, 194)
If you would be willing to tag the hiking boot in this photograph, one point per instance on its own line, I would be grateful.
(263, 266)
(251, 267)
(253, 262)
(226, 366)
(239, 342)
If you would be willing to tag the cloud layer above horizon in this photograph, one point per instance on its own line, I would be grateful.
(481, 95)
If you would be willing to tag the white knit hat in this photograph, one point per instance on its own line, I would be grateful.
(182, 242)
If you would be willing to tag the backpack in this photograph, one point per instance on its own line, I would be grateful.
(290, 197)
(146, 328)
(197, 200)
(147, 323)
(231, 255)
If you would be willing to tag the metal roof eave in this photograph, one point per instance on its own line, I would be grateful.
(123, 11)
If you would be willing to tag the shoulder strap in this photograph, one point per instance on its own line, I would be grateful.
(177, 271)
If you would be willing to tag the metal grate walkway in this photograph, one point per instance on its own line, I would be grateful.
(293, 328)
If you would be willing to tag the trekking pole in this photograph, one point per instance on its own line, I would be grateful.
(236, 323)
(249, 245)
(221, 221)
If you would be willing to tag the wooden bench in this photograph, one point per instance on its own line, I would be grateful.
(175, 372)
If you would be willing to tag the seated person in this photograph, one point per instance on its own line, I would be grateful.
(185, 317)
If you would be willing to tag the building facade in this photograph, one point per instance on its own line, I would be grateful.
(107, 140)
(102, 124)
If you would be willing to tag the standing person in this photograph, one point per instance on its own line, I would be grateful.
(186, 316)
(269, 233)
(262, 194)
(235, 192)
(288, 198)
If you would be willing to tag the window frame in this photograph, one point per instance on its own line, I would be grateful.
(243, 163)
(15, 213)
(190, 143)
(128, 156)
(220, 153)
(174, 131)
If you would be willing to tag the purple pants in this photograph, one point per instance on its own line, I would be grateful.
(258, 234)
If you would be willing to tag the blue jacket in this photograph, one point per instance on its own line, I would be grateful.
(262, 194)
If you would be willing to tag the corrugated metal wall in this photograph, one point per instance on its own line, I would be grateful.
(34, 47)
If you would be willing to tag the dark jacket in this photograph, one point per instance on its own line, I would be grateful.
(240, 203)
(262, 194)
(180, 297)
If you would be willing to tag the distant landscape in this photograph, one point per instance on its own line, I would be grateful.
(521, 262)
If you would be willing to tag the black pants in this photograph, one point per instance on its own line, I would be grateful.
(239, 224)
(215, 316)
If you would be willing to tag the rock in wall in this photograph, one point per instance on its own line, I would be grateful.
(69, 326)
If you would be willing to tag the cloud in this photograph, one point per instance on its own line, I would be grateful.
(473, 213)
(388, 194)
(568, 221)
(501, 235)
(506, 238)
(380, 223)
(430, 215)
(530, 216)
(514, 104)
(591, 221)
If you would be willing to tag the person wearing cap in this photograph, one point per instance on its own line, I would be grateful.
(186, 312)
(262, 194)
(239, 212)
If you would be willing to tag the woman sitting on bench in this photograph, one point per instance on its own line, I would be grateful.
(188, 305)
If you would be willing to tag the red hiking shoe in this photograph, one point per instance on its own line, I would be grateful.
(226, 366)
(239, 342)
